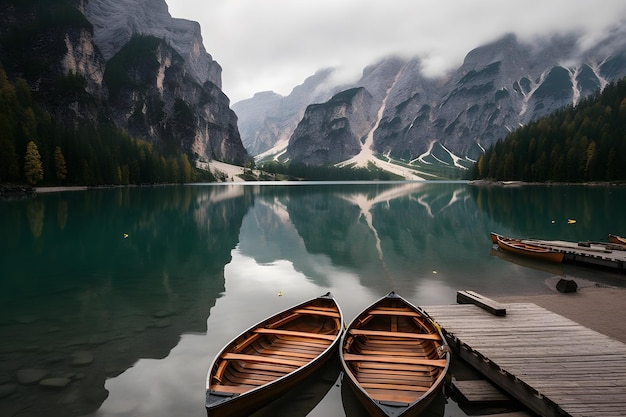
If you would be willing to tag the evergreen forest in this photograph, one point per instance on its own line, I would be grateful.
(37, 149)
(300, 171)
(582, 143)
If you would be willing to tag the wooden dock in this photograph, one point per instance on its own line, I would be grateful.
(553, 365)
(479, 391)
(608, 255)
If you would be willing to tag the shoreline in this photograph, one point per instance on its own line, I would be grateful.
(519, 183)
(232, 175)
(59, 189)
(599, 307)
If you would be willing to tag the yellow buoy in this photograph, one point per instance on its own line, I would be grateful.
(125, 235)
(280, 293)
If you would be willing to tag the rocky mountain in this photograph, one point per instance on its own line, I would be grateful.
(126, 63)
(333, 131)
(499, 87)
(116, 22)
(268, 119)
(451, 119)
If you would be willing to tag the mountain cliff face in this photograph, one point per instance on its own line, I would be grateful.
(333, 132)
(115, 22)
(498, 88)
(123, 61)
(453, 118)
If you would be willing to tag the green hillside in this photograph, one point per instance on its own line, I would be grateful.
(37, 149)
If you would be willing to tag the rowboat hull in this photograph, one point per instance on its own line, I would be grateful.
(268, 359)
(617, 239)
(394, 358)
(526, 262)
(525, 248)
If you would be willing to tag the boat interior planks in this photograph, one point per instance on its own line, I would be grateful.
(394, 357)
(271, 357)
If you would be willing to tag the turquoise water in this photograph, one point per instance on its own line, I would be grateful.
(125, 295)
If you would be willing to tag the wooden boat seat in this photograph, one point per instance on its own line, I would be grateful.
(352, 357)
(284, 320)
(388, 312)
(379, 377)
(395, 387)
(307, 335)
(316, 312)
(390, 308)
(392, 397)
(266, 367)
(404, 354)
(232, 389)
(396, 368)
(262, 359)
(360, 332)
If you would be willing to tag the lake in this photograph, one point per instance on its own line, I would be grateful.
(120, 298)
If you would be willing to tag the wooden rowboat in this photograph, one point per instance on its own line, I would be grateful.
(527, 248)
(617, 239)
(494, 237)
(394, 358)
(271, 357)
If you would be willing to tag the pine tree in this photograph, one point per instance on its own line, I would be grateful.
(186, 168)
(59, 164)
(33, 169)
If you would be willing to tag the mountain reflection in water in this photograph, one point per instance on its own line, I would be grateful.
(126, 294)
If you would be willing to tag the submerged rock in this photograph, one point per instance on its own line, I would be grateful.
(31, 376)
(82, 358)
(57, 383)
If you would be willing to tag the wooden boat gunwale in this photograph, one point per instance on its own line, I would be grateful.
(396, 365)
(619, 240)
(230, 402)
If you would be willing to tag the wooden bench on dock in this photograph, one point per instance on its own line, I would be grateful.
(471, 297)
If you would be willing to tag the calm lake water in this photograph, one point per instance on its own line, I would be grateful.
(125, 295)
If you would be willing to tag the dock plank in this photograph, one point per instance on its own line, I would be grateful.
(479, 391)
(553, 365)
(594, 253)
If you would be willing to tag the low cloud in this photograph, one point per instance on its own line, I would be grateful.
(276, 44)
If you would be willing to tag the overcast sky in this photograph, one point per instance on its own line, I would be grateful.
(275, 44)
